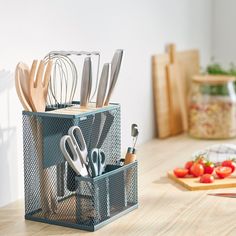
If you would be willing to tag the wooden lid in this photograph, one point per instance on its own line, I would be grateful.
(213, 79)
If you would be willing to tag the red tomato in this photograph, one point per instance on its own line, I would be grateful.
(208, 167)
(207, 178)
(180, 172)
(197, 169)
(229, 163)
(188, 166)
(223, 171)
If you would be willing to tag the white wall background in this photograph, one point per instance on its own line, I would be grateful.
(224, 32)
(30, 29)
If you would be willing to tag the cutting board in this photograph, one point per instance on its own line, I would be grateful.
(160, 93)
(188, 64)
(173, 80)
(193, 184)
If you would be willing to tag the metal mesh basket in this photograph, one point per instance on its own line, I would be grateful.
(54, 193)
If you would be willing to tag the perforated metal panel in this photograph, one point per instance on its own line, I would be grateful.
(54, 193)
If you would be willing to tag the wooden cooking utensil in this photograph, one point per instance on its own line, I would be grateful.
(21, 77)
(38, 87)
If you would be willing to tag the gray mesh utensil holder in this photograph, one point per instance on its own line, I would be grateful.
(54, 194)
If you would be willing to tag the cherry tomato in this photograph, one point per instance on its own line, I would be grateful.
(229, 163)
(207, 178)
(188, 166)
(208, 167)
(180, 172)
(197, 169)
(223, 171)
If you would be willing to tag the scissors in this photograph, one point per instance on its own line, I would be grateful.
(97, 161)
(78, 159)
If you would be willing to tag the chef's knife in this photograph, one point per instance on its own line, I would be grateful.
(115, 69)
(102, 88)
(86, 83)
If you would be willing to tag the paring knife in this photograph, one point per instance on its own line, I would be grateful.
(86, 83)
(115, 69)
(102, 88)
(229, 195)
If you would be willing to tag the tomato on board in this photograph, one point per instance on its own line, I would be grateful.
(180, 172)
(208, 167)
(197, 169)
(207, 178)
(223, 171)
(188, 166)
(229, 163)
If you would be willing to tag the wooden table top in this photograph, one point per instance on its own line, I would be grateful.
(165, 208)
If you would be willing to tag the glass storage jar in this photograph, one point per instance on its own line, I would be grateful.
(212, 110)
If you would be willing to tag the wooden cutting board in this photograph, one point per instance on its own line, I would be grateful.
(188, 64)
(173, 80)
(160, 93)
(193, 184)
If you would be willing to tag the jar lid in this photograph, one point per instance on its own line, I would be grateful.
(213, 79)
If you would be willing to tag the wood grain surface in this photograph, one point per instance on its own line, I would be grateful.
(165, 208)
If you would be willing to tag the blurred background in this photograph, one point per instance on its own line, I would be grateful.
(31, 29)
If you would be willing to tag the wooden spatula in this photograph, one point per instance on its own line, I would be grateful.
(38, 85)
(21, 77)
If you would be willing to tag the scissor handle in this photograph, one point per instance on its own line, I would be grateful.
(97, 161)
(74, 160)
(93, 162)
(102, 161)
(74, 132)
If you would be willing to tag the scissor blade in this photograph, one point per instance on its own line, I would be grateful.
(230, 195)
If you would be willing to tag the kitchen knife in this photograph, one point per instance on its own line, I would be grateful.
(102, 88)
(86, 83)
(229, 195)
(115, 69)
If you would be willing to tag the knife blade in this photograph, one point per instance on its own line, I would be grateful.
(229, 195)
(86, 83)
(102, 88)
(115, 69)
